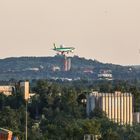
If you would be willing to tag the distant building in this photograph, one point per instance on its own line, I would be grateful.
(136, 117)
(5, 134)
(55, 68)
(7, 90)
(88, 70)
(105, 75)
(92, 101)
(25, 90)
(117, 106)
(91, 137)
(15, 138)
(24, 87)
(67, 64)
(31, 69)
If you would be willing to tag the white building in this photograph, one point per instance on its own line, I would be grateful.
(105, 75)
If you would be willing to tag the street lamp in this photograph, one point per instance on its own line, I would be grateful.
(24, 87)
(26, 125)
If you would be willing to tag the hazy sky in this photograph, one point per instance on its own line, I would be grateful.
(106, 30)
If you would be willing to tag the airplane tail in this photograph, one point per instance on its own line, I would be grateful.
(54, 45)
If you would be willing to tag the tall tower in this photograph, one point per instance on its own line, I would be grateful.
(67, 64)
(24, 87)
(62, 50)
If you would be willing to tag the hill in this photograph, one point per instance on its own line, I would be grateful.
(22, 68)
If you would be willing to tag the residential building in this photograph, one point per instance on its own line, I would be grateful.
(7, 90)
(105, 75)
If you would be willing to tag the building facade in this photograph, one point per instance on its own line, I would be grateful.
(5, 134)
(117, 106)
(67, 64)
(136, 117)
(24, 87)
(7, 90)
(91, 137)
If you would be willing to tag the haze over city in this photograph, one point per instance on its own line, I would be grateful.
(106, 30)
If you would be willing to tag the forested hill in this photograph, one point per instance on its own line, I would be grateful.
(43, 67)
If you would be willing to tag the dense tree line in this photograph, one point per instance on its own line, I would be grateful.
(23, 68)
(56, 114)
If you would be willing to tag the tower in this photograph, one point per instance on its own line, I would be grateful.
(67, 63)
(62, 50)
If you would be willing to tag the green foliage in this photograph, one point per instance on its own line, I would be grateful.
(23, 68)
(56, 114)
(97, 113)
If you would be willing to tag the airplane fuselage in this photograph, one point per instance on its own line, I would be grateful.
(64, 49)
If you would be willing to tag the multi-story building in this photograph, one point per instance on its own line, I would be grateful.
(24, 87)
(25, 90)
(7, 90)
(117, 106)
(105, 75)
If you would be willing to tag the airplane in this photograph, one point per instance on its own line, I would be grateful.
(62, 49)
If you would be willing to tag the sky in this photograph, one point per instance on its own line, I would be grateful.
(105, 30)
